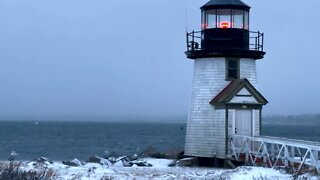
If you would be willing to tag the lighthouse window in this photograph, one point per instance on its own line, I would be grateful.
(246, 20)
(224, 18)
(210, 19)
(237, 19)
(233, 69)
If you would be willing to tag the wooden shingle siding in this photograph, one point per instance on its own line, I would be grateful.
(206, 128)
(231, 117)
(257, 122)
(248, 70)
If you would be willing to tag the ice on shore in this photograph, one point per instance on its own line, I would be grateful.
(159, 170)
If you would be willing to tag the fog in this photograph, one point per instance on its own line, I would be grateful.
(126, 58)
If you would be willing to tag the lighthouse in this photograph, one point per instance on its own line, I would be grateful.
(225, 100)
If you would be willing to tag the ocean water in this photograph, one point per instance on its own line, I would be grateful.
(67, 140)
(302, 132)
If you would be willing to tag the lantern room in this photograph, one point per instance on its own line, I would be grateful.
(232, 16)
(225, 32)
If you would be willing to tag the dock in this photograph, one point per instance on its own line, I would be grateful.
(274, 152)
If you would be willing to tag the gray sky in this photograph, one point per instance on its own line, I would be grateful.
(111, 57)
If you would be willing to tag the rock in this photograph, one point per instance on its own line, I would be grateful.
(74, 162)
(109, 154)
(43, 160)
(133, 157)
(174, 154)
(173, 164)
(181, 155)
(187, 162)
(124, 160)
(105, 162)
(94, 159)
(141, 163)
(158, 155)
(126, 163)
(120, 158)
(99, 160)
(112, 159)
(152, 152)
(149, 151)
(118, 164)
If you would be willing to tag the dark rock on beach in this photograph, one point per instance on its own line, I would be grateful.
(186, 162)
(43, 160)
(99, 160)
(152, 152)
(122, 161)
(141, 163)
(109, 154)
(169, 154)
(74, 162)
(94, 159)
(126, 163)
(133, 157)
(174, 154)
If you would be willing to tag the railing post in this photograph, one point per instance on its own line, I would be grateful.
(258, 40)
(187, 38)
(272, 152)
(256, 47)
(193, 43)
(247, 151)
(286, 155)
(262, 41)
(293, 152)
(314, 157)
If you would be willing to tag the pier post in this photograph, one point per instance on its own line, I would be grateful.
(314, 157)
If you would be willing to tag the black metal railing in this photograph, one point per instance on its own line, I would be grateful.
(256, 41)
(194, 41)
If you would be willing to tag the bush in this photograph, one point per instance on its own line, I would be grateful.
(14, 172)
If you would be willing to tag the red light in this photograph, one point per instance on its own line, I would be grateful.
(224, 25)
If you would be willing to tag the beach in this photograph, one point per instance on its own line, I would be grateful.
(158, 170)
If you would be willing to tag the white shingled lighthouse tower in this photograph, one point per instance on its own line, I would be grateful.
(225, 100)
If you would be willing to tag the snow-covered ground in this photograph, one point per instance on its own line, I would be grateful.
(159, 170)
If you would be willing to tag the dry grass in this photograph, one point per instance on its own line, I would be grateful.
(12, 171)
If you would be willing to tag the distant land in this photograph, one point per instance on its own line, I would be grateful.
(99, 118)
(307, 119)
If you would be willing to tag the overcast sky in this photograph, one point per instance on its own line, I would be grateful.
(126, 58)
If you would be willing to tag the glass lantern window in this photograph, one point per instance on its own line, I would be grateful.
(237, 19)
(225, 18)
(246, 20)
(210, 19)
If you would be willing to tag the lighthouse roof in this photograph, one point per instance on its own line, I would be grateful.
(220, 4)
(239, 91)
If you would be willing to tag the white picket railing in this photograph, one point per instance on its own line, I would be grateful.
(276, 152)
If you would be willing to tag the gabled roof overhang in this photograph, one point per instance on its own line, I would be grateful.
(230, 96)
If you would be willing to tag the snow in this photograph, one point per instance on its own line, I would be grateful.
(159, 170)
(259, 173)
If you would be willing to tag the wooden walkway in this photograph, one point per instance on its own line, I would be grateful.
(276, 152)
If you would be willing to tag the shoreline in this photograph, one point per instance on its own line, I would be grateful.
(159, 170)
